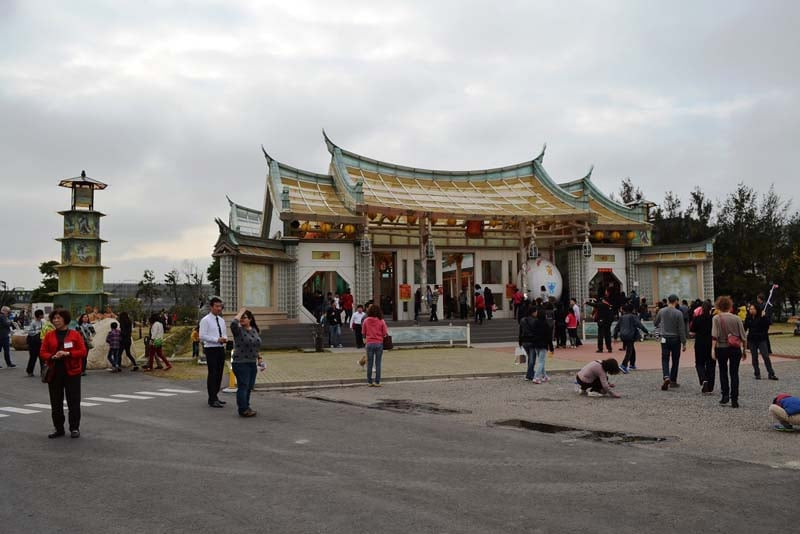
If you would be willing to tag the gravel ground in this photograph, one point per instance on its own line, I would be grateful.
(697, 425)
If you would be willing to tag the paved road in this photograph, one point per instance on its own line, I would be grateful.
(171, 464)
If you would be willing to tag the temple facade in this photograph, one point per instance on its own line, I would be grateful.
(382, 231)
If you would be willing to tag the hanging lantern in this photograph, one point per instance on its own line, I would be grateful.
(451, 222)
(631, 235)
(599, 235)
(372, 215)
(433, 220)
(349, 229)
(390, 217)
(325, 227)
(430, 250)
(615, 235)
(411, 219)
(587, 248)
(533, 250)
(366, 245)
(474, 228)
(295, 224)
(304, 227)
(493, 223)
(311, 235)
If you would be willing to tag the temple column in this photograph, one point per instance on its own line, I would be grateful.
(578, 285)
(289, 280)
(363, 290)
(632, 269)
(227, 281)
(708, 279)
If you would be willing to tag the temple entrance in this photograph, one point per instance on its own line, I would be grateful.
(603, 281)
(458, 272)
(321, 286)
(385, 286)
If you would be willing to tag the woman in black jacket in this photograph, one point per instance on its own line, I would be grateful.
(703, 362)
(757, 326)
(535, 337)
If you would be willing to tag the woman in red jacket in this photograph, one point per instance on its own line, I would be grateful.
(63, 350)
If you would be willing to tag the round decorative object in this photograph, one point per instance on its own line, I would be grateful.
(544, 273)
(615, 235)
(349, 229)
(451, 222)
(390, 217)
(304, 227)
(311, 235)
(372, 215)
(434, 220)
(325, 227)
(474, 228)
(631, 235)
(493, 223)
(412, 219)
(295, 224)
(599, 235)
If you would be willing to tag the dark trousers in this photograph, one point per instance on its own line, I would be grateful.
(245, 382)
(763, 348)
(34, 344)
(630, 353)
(595, 386)
(359, 336)
(347, 315)
(561, 335)
(434, 317)
(463, 311)
(671, 348)
(704, 363)
(215, 359)
(729, 359)
(603, 335)
(5, 345)
(71, 386)
(479, 316)
(126, 347)
(489, 311)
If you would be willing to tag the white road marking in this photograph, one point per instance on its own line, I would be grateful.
(134, 397)
(3, 415)
(179, 390)
(105, 399)
(39, 405)
(89, 403)
(301, 441)
(23, 411)
(155, 393)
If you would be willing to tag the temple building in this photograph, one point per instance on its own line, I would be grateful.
(365, 225)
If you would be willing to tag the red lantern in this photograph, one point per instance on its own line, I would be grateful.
(474, 228)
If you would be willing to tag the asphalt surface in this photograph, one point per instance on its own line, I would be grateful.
(171, 464)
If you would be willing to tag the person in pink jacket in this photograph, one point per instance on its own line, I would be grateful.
(374, 330)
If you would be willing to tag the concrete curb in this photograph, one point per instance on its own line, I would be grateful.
(350, 382)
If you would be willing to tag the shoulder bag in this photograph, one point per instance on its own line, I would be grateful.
(733, 340)
(47, 373)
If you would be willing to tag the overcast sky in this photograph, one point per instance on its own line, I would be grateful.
(168, 102)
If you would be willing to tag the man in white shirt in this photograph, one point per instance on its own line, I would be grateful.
(213, 336)
(577, 311)
(355, 325)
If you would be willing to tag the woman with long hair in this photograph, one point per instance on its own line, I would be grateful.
(703, 362)
(727, 333)
(245, 358)
(374, 329)
(757, 326)
(85, 328)
(63, 351)
(126, 330)
(156, 343)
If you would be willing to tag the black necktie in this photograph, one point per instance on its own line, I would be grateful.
(219, 328)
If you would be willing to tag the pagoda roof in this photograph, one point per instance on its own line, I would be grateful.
(82, 181)
(610, 213)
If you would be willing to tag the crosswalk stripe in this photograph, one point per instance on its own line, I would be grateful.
(155, 393)
(38, 405)
(134, 397)
(83, 403)
(22, 411)
(3, 415)
(105, 399)
(179, 390)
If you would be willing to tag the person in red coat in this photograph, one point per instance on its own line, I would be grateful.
(63, 350)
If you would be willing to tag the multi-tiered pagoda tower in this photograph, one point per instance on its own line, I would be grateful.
(80, 274)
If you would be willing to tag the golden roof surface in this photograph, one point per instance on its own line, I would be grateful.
(314, 198)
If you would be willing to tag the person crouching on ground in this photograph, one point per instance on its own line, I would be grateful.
(535, 337)
(63, 351)
(374, 328)
(627, 329)
(594, 377)
(114, 340)
(246, 357)
(786, 409)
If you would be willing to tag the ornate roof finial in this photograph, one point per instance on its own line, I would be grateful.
(330, 144)
(83, 174)
(540, 158)
(589, 174)
(269, 158)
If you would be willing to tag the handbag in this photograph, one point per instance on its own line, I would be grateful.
(387, 342)
(520, 356)
(47, 373)
(734, 341)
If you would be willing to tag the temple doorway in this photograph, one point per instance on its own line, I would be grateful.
(605, 280)
(385, 287)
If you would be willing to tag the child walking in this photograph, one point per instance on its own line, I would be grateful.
(114, 340)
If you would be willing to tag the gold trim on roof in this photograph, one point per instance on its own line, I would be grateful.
(314, 198)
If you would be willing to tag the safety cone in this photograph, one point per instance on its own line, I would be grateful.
(232, 388)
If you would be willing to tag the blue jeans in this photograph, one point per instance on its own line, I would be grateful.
(530, 353)
(334, 335)
(115, 357)
(374, 354)
(672, 347)
(5, 344)
(541, 357)
(245, 373)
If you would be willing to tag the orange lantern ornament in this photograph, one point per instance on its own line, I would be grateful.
(631, 235)
(598, 235)
(474, 228)
(493, 223)
(451, 222)
(304, 227)
(349, 229)
(615, 235)
(411, 219)
(390, 218)
(434, 220)
(311, 235)
(372, 215)
(325, 227)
